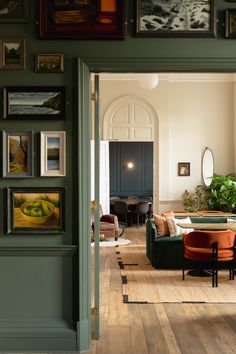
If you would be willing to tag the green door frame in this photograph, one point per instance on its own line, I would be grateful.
(113, 65)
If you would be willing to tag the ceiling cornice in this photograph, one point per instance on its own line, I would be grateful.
(172, 77)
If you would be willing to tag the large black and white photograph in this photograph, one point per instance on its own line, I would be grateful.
(175, 18)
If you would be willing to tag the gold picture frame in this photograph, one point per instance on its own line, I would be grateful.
(49, 63)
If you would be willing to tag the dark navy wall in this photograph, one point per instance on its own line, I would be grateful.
(137, 181)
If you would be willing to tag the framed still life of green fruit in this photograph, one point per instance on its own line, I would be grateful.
(35, 210)
(17, 154)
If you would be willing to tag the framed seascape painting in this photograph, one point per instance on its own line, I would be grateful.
(53, 154)
(35, 210)
(175, 18)
(17, 154)
(14, 11)
(49, 63)
(81, 19)
(34, 102)
(12, 53)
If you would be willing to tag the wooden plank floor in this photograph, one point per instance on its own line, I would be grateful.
(158, 328)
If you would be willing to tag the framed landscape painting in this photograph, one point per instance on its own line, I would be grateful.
(17, 154)
(83, 19)
(12, 53)
(34, 102)
(53, 154)
(35, 210)
(49, 63)
(14, 11)
(175, 18)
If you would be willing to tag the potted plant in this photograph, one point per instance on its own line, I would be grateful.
(223, 193)
(196, 200)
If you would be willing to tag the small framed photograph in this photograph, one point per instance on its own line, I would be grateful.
(35, 210)
(13, 54)
(17, 154)
(14, 11)
(183, 168)
(53, 154)
(34, 102)
(230, 23)
(49, 63)
(81, 19)
(158, 18)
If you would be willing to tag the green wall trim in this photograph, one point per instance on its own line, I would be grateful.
(19, 251)
(83, 335)
(84, 197)
(38, 328)
(25, 336)
(173, 64)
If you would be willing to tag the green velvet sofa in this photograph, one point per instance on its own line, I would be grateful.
(167, 252)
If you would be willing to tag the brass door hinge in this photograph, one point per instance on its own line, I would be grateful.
(94, 311)
(93, 96)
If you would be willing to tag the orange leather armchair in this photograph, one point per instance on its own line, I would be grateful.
(108, 224)
(208, 249)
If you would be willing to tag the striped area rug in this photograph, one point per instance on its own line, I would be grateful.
(144, 284)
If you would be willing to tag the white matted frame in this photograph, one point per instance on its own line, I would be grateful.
(53, 153)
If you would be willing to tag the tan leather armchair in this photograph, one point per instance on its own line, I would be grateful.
(108, 225)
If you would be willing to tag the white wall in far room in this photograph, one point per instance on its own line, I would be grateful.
(194, 113)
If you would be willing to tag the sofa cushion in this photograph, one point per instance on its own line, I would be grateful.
(176, 230)
(161, 224)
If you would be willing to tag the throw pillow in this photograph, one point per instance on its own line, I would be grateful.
(186, 220)
(231, 220)
(176, 230)
(168, 213)
(161, 223)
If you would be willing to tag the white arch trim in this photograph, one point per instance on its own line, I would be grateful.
(130, 118)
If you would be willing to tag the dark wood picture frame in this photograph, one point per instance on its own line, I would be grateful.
(12, 52)
(96, 19)
(49, 63)
(15, 12)
(17, 154)
(230, 23)
(34, 102)
(35, 210)
(162, 20)
(183, 168)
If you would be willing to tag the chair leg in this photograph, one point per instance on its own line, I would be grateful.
(137, 220)
(183, 274)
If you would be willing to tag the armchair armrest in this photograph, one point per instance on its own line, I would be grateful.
(111, 218)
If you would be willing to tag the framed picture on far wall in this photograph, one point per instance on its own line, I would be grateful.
(53, 154)
(84, 19)
(35, 210)
(14, 11)
(49, 63)
(12, 53)
(183, 168)
(17, 154)
(34, 102)
(158, 18)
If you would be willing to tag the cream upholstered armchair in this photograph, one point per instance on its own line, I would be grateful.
(108, 224)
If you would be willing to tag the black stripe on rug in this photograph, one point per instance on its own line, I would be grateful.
(121, 265)
(124, 279)
(130, 264)
(117, 252)
(126, 301)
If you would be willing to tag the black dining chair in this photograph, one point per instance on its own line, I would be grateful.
(121, 210)
(141, 209)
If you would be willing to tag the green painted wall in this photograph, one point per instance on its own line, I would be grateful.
(38, 274)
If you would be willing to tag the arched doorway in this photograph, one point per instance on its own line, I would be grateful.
(132, 118)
